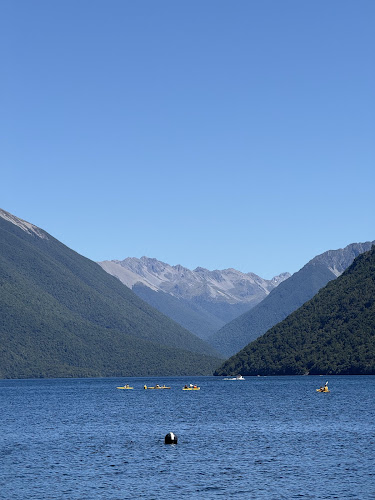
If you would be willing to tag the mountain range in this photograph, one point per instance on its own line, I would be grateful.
(200, 300)
(62, 315)
(286, 298)
(228, 308)
(333, 333)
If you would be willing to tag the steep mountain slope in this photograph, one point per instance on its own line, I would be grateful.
(188, 314)
(333, 333)
(285, 299)
(62, 315)
(201, 300)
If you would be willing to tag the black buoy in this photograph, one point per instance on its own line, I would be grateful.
(170, 438)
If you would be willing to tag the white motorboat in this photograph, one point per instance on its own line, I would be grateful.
(237, 377)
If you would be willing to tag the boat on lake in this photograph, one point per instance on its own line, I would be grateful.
(191, 388)
(323, 388)
(127, 386)
(157, 386)
(237, 377)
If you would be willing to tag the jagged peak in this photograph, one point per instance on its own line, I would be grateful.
(338, 260)
(229, 284)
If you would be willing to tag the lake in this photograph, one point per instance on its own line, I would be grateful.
(261, 438)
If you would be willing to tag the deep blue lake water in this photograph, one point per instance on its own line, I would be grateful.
(262, 438)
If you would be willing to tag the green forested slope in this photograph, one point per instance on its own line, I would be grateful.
(333, 333)
(286, 298)
(283, 300)
(62, 315)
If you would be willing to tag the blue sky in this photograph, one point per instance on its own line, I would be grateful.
(204, 133)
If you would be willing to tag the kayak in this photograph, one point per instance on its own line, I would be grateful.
(156, 387)
(325, 389)
(191, 388)
(125, 387)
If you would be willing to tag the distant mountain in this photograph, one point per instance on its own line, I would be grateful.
(201, 300)
(285, 299)
(333, 333)
(62, 315)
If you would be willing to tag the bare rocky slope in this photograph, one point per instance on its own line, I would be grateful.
(200, 300)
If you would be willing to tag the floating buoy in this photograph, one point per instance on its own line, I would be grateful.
(170, 438)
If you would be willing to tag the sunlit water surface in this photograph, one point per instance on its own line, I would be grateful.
(262, 438)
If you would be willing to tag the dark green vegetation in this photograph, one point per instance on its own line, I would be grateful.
(285, 299)
(62, 315)
(333, 333)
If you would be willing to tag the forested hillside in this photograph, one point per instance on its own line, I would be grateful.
(286, 298)
(333, 333)
(62, 315)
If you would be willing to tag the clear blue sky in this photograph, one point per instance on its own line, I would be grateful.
(204, 133)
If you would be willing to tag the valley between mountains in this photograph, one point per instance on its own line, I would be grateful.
(63, 315)
(202, 301)
(229, 309)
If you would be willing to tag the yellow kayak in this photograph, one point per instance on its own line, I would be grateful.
(191, 388)
(156, 387)
(323, 389)
(125, 387)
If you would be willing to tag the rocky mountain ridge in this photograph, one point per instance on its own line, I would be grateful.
(23, 224)
(228, 285)
(200, 300)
